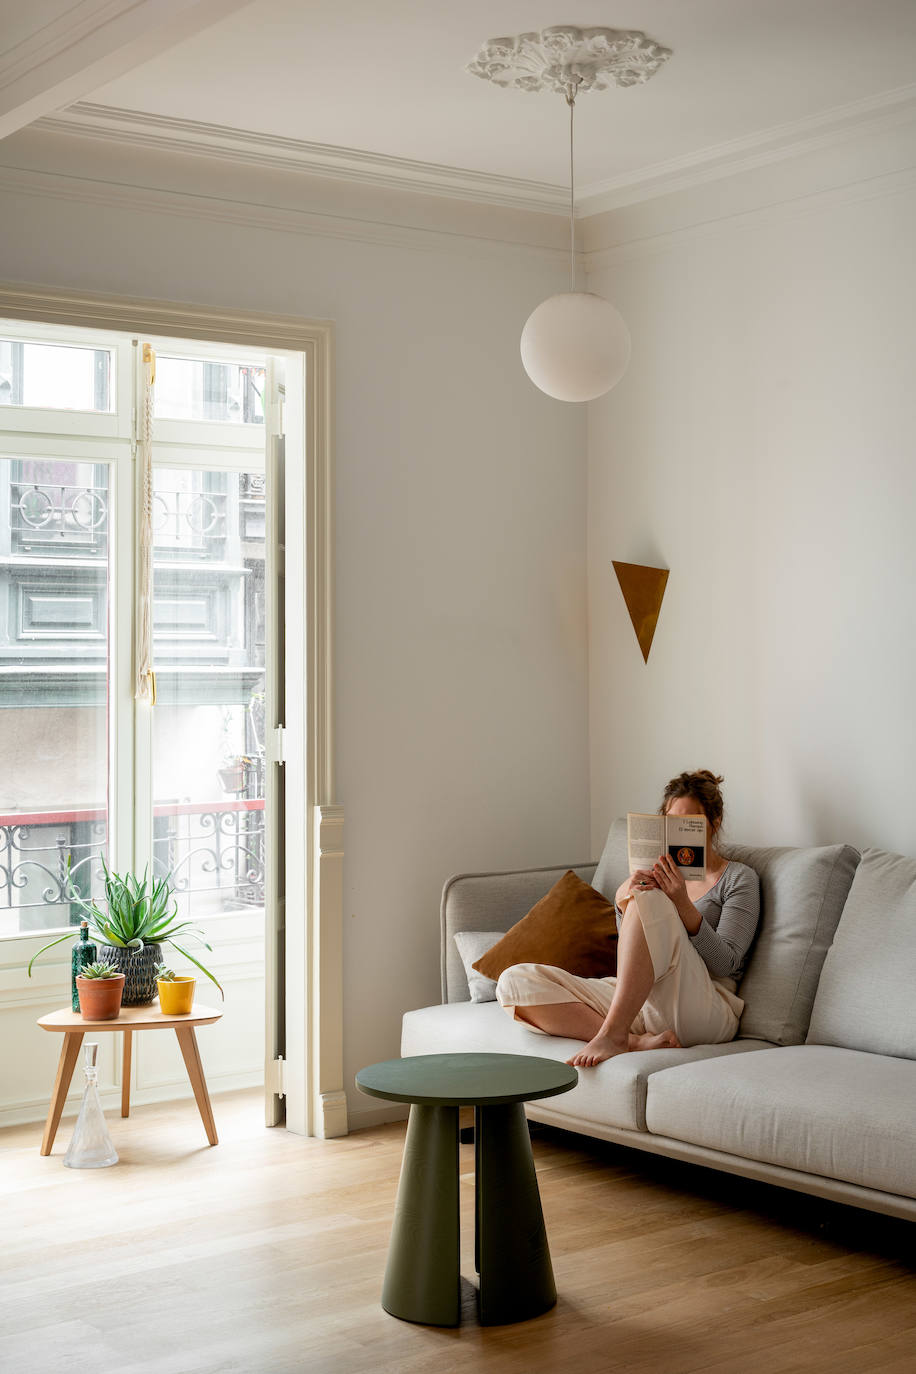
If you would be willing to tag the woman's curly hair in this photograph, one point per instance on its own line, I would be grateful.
(702, 787)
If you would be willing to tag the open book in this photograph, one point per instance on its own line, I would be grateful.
(683, 837)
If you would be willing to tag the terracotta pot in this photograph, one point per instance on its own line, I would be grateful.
(100, 998)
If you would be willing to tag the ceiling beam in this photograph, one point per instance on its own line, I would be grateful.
(89, 44)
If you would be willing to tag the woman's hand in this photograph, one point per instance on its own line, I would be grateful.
(669, 879)
(640, 881)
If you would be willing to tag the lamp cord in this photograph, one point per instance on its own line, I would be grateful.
(571, 92)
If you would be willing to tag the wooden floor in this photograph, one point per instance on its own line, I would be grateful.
(265, 1254)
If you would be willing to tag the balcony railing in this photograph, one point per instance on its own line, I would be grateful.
(56, 518)
(214, 852)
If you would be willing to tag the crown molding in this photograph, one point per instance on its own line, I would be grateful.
(168, 134)
(87, 44)
(871, 115)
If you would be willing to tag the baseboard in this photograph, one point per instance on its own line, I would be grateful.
(377, 1116)
(37, 1110)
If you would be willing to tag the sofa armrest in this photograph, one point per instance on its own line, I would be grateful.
(490, 901)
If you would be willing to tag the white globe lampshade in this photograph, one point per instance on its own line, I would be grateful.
(575, 346)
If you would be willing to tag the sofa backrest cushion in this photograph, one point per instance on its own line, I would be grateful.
(865, 996)
(488, 901)
(802, 892)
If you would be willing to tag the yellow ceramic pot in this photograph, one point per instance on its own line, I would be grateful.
(176, 995)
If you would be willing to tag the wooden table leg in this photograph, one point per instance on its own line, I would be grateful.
(187, 1041)
(68, 1056)
(125, 1074)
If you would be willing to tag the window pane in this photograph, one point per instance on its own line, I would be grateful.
(53, 688)
(208, 619)
(196, 389)
(56, 376)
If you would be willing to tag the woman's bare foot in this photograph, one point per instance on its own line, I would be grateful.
(667, 1040)
(600, 1048)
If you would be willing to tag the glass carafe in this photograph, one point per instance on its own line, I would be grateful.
(90, 1147)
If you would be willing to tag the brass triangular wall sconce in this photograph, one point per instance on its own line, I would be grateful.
(643, 590)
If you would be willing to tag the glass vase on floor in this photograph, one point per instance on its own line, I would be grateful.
(91, 1146)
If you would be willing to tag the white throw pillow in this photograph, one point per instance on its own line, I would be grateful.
(473, 945)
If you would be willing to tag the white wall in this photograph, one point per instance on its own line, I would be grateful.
(461, 602)
(762, 448)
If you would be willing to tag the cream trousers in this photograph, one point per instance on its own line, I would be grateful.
(685, 998)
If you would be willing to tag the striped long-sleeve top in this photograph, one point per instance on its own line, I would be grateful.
(730, 912)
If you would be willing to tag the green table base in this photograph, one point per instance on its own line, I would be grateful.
(510, 1240)
(511, 1254)
(426, 1223)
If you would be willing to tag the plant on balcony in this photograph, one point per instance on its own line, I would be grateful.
(136, 918)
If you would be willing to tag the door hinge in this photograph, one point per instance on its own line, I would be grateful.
(278, 752)
(278, 1076)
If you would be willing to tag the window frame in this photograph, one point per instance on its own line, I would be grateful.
(110, 440)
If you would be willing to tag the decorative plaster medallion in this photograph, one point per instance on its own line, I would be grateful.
(554, 58)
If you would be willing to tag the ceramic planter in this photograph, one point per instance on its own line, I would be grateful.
(139, 969)
(176, 995)
(100, 998)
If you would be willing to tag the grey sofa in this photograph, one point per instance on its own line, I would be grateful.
(818, 1090)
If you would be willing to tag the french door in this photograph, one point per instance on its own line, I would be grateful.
(191, 787)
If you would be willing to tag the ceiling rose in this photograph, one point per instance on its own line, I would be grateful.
(549, 60)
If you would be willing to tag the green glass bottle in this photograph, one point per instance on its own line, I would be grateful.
(83, 953)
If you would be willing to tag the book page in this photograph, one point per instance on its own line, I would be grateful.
(685, 841)
(645, 839)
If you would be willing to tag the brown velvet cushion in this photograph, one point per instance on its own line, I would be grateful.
(572, 928)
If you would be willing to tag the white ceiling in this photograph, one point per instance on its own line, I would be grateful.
(376, 89)
(388, 78)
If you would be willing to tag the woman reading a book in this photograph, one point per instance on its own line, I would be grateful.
(681, 949)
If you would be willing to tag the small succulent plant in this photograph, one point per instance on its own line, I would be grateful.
(164, 974)
(99, 970)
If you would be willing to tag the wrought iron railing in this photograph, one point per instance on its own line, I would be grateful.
(56, 515)
(214, 852)
(53, 517)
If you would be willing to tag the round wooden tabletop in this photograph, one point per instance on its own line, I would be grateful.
(129, 1019)
(466, 1080)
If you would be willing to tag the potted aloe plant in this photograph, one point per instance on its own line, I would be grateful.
(136, 917)
(100, 989)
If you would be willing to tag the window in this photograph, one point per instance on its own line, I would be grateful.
(81, 762)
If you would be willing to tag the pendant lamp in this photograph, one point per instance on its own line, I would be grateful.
(575, 346)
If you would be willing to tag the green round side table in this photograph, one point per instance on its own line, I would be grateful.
(511, 1254)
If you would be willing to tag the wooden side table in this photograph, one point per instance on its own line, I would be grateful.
(129, 1019)
(510, 1243)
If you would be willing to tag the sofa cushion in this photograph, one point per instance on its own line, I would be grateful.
(471, 944)
(865, 996)
(802, 893)
(613, 1094)
(488, 901)
(833, 1112)
(572, 927)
